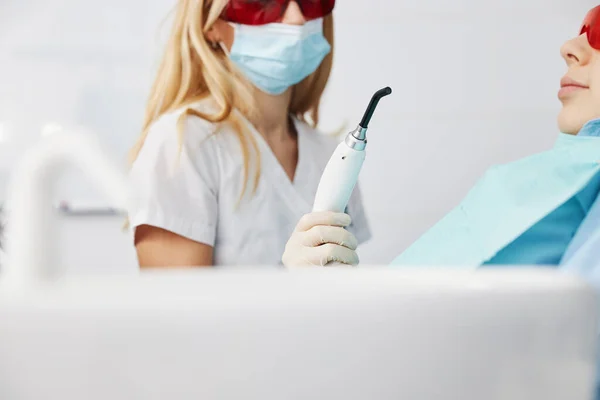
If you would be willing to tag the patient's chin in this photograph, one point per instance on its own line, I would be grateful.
(569, 123)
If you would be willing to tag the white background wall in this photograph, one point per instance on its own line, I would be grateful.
(474, 81)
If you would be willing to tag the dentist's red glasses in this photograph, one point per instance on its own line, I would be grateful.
(591, 27)
(260, 12)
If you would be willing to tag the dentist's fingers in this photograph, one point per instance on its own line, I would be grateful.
(321, 240)
(327, 218)
(322, 234)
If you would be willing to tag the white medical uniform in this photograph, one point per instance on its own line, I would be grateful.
(194, 192)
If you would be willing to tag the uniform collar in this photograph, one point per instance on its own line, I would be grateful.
(591, 128)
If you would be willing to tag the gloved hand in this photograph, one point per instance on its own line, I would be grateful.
(320, 238)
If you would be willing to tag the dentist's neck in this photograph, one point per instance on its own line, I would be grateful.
(272, 119)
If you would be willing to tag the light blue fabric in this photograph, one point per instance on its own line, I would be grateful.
(276, 56)
(511, 207)
(546, 241)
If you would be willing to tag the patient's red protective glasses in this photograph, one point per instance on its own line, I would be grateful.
(591, 27)
(260, 12)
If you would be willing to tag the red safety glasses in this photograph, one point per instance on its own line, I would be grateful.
(260, 12)
(591, 27)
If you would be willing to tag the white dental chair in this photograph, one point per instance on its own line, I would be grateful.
(365, 333)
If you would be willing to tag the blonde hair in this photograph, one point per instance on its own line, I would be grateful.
(192, 69)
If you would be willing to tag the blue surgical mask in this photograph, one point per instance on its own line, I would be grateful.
(276, 56)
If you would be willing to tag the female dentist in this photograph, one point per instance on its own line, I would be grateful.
(229, 158)
(528, 211)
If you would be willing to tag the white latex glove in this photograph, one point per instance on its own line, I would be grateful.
(319, 239)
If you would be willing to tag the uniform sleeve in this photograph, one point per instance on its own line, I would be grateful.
(176, 178)
(359, 227)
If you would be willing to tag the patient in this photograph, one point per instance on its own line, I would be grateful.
(524, 212)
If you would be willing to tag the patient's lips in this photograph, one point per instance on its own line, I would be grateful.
(569, 86)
